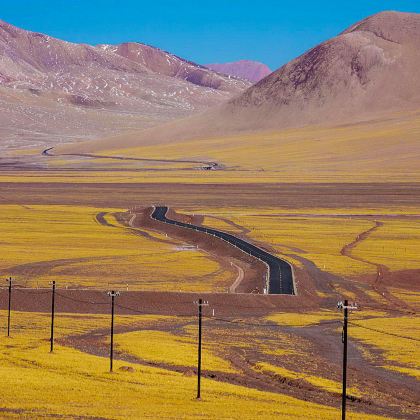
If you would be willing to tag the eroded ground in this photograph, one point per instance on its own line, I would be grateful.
(351, 240)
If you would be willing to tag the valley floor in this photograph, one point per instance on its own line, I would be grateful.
(270, 356)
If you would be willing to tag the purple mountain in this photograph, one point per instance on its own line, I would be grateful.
(244, 69)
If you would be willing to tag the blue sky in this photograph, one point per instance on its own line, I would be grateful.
(273, 32)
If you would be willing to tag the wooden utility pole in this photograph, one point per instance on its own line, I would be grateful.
(345, 307)
(52, 317)
(113, 294)
(9, 306)
(200, 303)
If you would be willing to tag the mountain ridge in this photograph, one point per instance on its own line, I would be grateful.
(66, 85)
(250, 70)
(353, 77)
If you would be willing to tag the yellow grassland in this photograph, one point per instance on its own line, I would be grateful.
(368, 327)
(319, 235)
(66, 244)
(70, 383)
(164, 347)
(304, 319)
(401, 354)
(186, 176)
(357, 152)
(221, 224)
(279, 345)
(323, 383)
(409, 296)
(381, 150)
(395, 245)
(315, 239)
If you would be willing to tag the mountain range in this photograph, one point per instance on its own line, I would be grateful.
(57, 90)
(367, 72)
(244, 69)
(350, 105)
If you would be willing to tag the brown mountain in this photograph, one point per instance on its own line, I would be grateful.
(59, 90)
(370, 68)
(244, 69)
(369, 71)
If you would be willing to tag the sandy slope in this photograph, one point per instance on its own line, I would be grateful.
(356, 98)
(52, 90)
(245, 69)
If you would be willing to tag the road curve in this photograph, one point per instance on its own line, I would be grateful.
(280, 278)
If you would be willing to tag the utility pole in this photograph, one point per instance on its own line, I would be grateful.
(52, 317)
(9, 280)
(345, 307)
(200, 303)
(112, 293)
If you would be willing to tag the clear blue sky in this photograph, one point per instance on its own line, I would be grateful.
(270, 31)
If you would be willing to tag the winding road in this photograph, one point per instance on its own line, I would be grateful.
(280, 274)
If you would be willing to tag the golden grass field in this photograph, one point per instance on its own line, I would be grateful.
(366, 327)
(382, 150)
(50, 233)
(319, 235)
(67, 244)
(360, 152)
(292, 369)
(66, 383)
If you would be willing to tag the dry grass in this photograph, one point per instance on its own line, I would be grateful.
(313, 238)
(303, 319)
(396, 245)
(411, 297)
(375, 151)
(66, 244)
(319, 382)
(321, 237)
(401, 354)
(357, 152)
(70, 383)
(164, 347)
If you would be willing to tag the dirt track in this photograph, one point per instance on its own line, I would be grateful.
(126, 195)
(318, 348)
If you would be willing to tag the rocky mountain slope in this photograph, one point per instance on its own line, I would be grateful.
(372, 67)
(244, 69)
(367, 72)
(56, 89)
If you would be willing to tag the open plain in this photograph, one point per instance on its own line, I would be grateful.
(316, 165)
(358, 241)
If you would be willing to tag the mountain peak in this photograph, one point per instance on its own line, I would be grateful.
(370, 68)
(399, 27)
(58, 81)
(250, 70)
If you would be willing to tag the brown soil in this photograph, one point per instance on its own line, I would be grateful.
(384, 392)
(240, 317)
(226, 255)
(284, 196)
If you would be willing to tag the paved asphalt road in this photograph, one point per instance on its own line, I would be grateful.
(280, 272)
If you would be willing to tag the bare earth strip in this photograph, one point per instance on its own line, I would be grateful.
(381, 270)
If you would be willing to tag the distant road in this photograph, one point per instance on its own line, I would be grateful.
(280, 271)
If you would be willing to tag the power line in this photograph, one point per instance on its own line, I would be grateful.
(81, 301)
(149, 313)
(41, 292)
(384, 332)
(230, 321)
